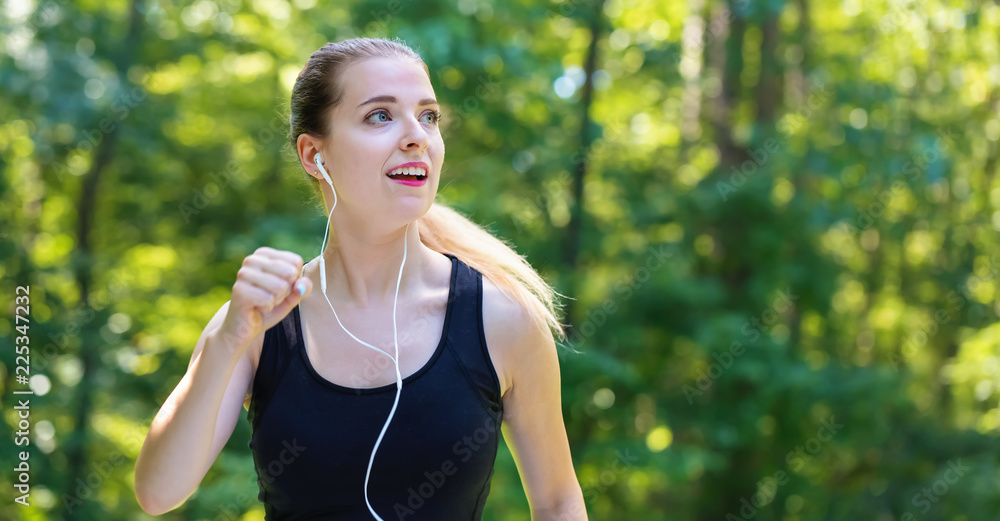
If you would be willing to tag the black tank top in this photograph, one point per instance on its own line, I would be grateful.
(312, 439)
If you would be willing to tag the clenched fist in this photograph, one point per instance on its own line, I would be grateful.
(267, 287)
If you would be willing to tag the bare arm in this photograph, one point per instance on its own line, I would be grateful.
(194, 422)
(198, 417)
(533, 425)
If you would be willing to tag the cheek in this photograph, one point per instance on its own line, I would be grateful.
(360, 155)
(439, 149)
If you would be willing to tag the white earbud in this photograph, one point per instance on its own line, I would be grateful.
(318, 159)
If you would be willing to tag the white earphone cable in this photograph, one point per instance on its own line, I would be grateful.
(395, 359)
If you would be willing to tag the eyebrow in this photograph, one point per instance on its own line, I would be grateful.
(392, 99)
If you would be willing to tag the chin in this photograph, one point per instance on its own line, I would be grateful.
(410, 214)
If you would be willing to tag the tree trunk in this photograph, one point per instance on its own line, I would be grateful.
(89, 350)
(574, 229)
(727, 56)
(691, 64)
(769, 86)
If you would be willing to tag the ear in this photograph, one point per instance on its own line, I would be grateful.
(307, 146)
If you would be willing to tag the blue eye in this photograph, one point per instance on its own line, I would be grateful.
(435, 117)
(378, 113)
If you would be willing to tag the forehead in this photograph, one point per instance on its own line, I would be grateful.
(398, 77)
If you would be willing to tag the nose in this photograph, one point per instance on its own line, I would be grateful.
(414, 136)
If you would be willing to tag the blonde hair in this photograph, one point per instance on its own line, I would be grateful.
(318, 90)
(444, 230)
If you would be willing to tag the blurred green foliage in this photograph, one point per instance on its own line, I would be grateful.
(786, 287)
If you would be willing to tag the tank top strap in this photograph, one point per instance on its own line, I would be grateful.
(467, 339)
(275, 355)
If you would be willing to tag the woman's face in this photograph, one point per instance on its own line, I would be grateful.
(387, 118)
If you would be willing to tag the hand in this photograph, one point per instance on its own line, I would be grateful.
(265, 291)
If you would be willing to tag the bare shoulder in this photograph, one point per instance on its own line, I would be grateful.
(510, 332)
(499, 326)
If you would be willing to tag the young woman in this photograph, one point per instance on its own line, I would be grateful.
(383, 395)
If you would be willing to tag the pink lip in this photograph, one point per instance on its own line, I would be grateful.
(411, 183)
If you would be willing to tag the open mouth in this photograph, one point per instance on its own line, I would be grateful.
(408, 174)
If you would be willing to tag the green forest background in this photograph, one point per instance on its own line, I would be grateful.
(777, 221)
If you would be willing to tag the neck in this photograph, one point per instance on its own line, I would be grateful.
(362, 265)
